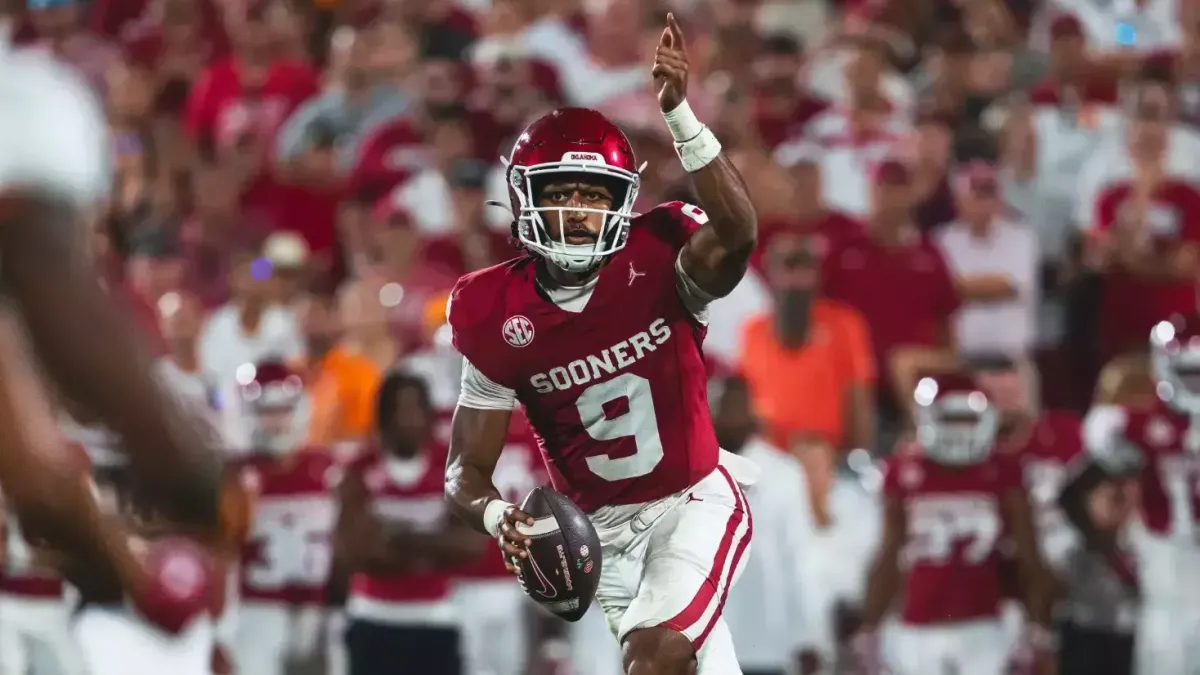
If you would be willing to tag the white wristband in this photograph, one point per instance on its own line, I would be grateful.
(683, 123)
(695, 143)
(493, 516)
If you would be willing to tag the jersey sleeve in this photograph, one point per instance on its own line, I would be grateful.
(677, 227)
(1106, 442)
(481, 393)
(469, 311)
(52, 131)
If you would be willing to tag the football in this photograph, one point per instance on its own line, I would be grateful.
(563, 567)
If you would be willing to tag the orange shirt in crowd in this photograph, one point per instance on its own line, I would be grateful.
(342, 387)
(803, 390)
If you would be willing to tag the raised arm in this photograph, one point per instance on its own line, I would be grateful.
(716, 256)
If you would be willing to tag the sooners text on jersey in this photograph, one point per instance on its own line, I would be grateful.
(616, 393)
(955, 526)
(287, 555)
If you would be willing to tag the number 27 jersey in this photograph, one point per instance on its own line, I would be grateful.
(615, 392)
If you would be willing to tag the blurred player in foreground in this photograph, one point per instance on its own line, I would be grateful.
(950, 504)
(597, 331)
(53, 167)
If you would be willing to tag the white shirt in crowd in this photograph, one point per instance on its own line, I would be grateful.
(195, 391)
(764, 611)
(224, 347)
(1117, 25)
(727, 315)
(848, 163)
(1008, 327)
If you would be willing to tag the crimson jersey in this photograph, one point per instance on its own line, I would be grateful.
(408, 494)
(955, 527)
(287, 554)
(1158, 441)
(616, 393)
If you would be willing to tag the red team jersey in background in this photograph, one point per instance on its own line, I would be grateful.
(617, 393)
(1170, 472)
(416, 502)
(286, 557)
(954, 528)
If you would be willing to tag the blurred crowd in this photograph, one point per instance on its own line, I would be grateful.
(938, 181)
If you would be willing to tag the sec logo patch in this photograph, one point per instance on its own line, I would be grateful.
(518, 331)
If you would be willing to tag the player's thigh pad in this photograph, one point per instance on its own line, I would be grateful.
(1167, 642)
(693, 556)
(264, 631)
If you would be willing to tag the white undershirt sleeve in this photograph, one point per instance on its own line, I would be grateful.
(481, 393)
(694, 298)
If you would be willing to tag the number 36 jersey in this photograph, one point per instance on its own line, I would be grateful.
(955, 526)
(612, 377)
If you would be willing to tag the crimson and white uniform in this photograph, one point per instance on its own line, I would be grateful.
(34, 611)
(613, 382)
(1167, 547)
(949, 616)
(286, 560)
(408, 493)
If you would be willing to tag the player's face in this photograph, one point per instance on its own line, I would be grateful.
(274, 429)
(580, 227)
(411, 421)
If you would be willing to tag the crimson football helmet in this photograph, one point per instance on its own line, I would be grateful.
(956, 423)
(562, 143)
(1175, 361)
(275, 404)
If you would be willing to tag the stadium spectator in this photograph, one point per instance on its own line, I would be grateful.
(61, 31)
(808, 362)
(341, 381)
(215, 233)
(1142, 232)
(994, 261)
(889, 261)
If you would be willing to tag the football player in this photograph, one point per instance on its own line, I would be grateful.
(286, 558)
(597, 331)
(948, 507)
(1159, 445)
(400, 544)
(53, 166)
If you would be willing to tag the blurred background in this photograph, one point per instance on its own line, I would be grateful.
(992, 181)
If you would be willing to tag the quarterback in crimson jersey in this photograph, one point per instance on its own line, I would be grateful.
(1160, 446)
(597, 332)
(949, 505)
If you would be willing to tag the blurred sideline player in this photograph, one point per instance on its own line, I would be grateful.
(285, 563)
(53, 166)
(950, 504)
(35, 610)
(1159, 446)
(765, 610)
(597, 332)
(399, 543)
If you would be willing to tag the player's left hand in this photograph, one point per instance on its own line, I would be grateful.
(670, 66)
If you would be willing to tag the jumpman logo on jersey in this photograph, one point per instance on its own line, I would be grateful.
(634, 274)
